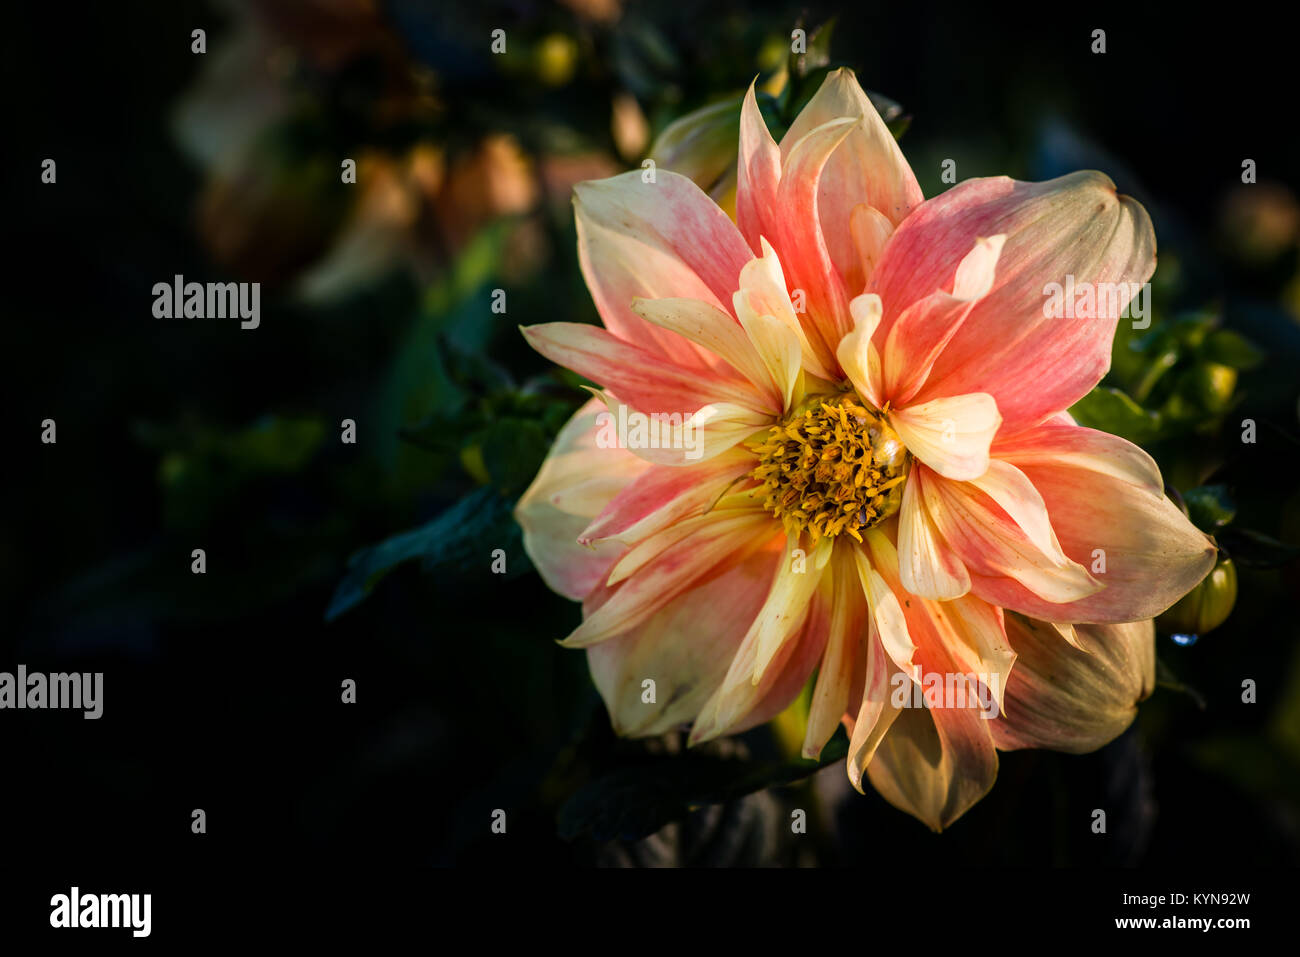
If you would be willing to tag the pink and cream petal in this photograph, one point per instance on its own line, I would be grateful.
(748, 707)
(1063, 444)
(867, 168)
(663, 495)
(576, 481)
(667, 650)
(1011, 489)
(647, 549)
(763, 292)
(989, 542)
(927, 567)
(1110, 514)
(802, 244)
(699, 550)
(1034, 364)
(719, 333)
(640, 378)
(673, 438)
(758, 175)
(920, 334)
(741, 702)
(655, 240)
(963, 636)
(840, 600)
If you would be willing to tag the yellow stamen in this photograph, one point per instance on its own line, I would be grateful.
(834, 467)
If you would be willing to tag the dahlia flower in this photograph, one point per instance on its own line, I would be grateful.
(865, 469)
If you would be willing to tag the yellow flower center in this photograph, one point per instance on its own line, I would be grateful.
(834, 466)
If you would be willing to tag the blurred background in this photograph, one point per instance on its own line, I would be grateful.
(370, 561)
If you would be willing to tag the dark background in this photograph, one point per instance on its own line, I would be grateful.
(222, 691)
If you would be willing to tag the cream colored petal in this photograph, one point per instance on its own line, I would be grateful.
(976, 271)
(740, 703)
(787, 603)
(933, 769)
(951, 435)
(856, 352)
(667, 650)
(975, 636)
(715, 330)
(762, 292)
(877, 712)
(845, 648)
(927, 567)
(1016, 495)
(1068, 700)
(778, 346)
(990, 543)
(698, 551)
(683, 439)
(886, 612)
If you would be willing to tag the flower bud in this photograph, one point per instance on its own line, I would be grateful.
(1206, 606)
(702, 147)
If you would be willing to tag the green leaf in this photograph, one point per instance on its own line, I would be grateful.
(418, 384)
(513, 450)
(1231, 349)
(632, 802)
(1153, 368)
(463, 535)
(1111, 410)
(1210, 507)
(1203, 390)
